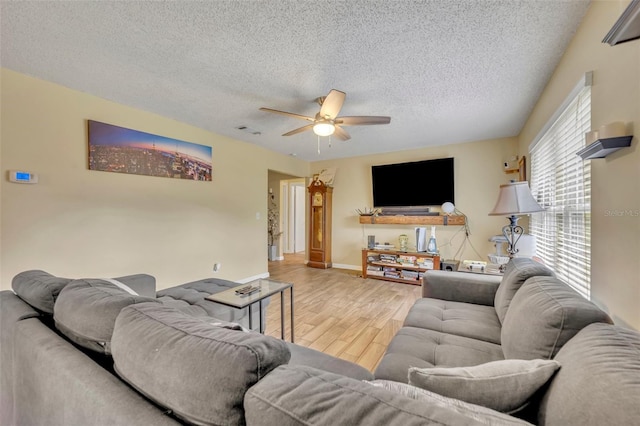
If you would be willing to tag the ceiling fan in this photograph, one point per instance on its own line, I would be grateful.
(327, 122)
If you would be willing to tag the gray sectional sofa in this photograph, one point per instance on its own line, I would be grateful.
(147, 361)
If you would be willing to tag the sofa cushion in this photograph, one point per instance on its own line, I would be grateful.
(544, 314)
(86, 311)
(142, 284)
(56, 384)
(504, 386)
(301, 355)
(188, 365)
(303, 396)
(518, 270)
(477, 412)
(39, 289)
(190, 298)
(462, 319)
(599, 382)
(417, 347)
(479, 289)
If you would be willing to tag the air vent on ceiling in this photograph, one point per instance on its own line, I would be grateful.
(627, 27)
(249, 130)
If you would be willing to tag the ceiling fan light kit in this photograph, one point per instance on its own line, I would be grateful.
(324, 129)
(327, 122)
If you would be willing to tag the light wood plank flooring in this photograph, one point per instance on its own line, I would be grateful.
(338, 312)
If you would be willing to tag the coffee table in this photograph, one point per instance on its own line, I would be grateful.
(267, 288)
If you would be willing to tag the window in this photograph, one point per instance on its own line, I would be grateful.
(561, 183)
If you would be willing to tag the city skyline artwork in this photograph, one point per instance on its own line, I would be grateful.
(121, 150)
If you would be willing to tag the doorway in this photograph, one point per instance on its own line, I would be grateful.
(294, 198)
(289, 195)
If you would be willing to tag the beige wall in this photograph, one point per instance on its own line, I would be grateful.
(77, 222)
(615, 96)
(478, 174)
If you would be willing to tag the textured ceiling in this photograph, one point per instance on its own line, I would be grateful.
(446, 71)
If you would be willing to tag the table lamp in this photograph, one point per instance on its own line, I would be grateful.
(514, 199)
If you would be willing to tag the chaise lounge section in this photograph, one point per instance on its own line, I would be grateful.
(468, 319)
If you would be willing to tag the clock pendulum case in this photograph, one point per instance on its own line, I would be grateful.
(319, 224)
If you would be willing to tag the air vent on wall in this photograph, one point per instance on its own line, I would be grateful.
(627, 27)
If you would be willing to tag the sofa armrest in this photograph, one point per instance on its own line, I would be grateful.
(143, 284)
(460, 287)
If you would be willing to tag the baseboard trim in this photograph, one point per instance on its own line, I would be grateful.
(345, 266)
(266, 274)
(255, 277)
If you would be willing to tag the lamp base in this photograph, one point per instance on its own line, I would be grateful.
(512, 232)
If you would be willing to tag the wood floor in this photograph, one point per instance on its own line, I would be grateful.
(339, 313)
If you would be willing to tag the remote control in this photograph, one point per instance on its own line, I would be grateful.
(247, 290)
(251, 291)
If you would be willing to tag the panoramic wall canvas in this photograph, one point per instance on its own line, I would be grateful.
(120, 150)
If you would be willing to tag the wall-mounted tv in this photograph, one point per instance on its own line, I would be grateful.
(415, 184)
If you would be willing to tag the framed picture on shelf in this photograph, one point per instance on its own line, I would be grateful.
(522, 167)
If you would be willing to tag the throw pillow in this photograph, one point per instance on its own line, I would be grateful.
(504, 386)
(199, 371)
(86, 311)
(479, 413)
(39, 289)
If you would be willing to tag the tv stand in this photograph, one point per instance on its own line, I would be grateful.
(408, 267)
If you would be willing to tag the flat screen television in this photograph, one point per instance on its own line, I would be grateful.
(415, 184)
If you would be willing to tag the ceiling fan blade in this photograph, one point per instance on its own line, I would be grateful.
(288, 114)
(362, 120)
(299, 130)
(332, 104)
(342, 134)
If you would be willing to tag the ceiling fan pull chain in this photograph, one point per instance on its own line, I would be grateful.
(318, 145)
(329, 141)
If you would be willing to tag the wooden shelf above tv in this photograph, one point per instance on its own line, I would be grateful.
(413, 220)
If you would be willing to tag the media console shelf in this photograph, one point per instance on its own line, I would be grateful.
(413, 220)
(398, 266)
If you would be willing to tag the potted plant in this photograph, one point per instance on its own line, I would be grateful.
(273, 227)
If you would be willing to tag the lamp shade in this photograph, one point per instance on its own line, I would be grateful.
(515, 198)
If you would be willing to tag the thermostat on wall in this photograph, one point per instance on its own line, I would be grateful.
(20, 176)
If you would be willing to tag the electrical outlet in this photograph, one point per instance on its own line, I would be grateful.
(216, 267)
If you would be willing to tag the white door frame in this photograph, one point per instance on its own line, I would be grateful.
(293, 198)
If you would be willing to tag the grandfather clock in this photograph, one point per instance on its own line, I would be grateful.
(319, 224)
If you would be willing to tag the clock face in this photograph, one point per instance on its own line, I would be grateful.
(317, 199)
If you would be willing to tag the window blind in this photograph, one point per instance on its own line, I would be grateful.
(561, 183)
